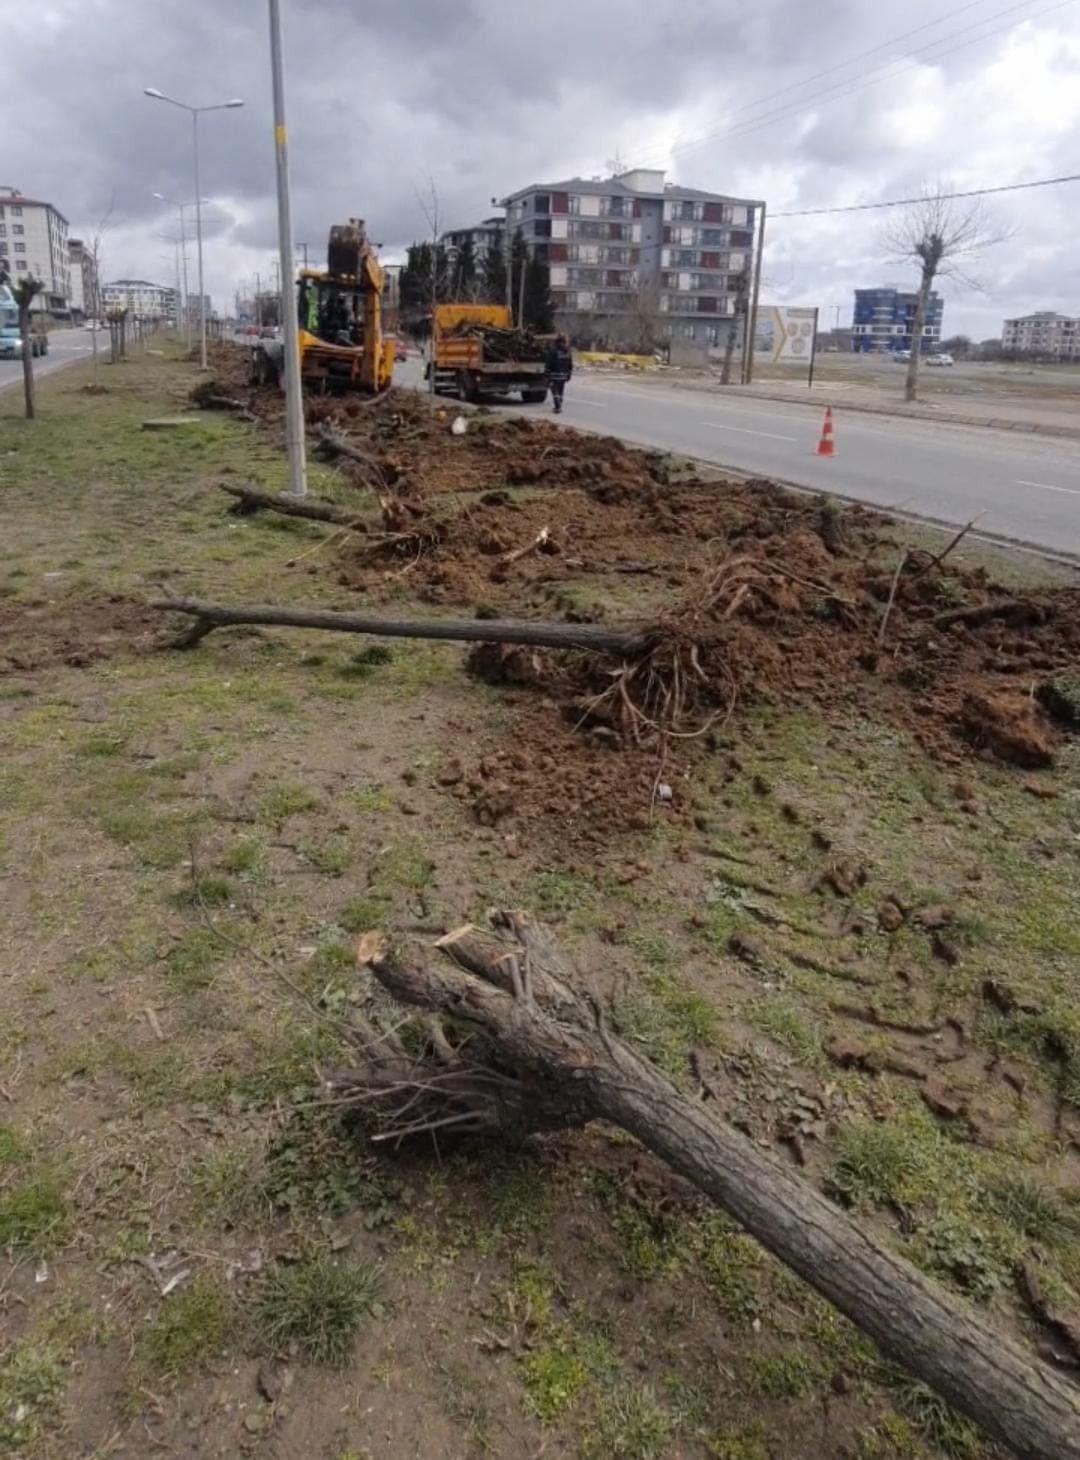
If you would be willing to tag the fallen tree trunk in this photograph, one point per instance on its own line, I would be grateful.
(539, 1056)
(248, 500)
(1019, 613)
(209, 616)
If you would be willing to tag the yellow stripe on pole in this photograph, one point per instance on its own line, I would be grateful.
(279, 135)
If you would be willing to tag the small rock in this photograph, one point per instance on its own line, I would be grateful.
(664, 793)
(745, 947)
(938, 916)
(889, 916)
(844, 876)
(942, 1099)
(1040, 789)
(451, 773)
(964, 790)
(760, 786)
(851, 1053)
(270, 1382)
(945, 949)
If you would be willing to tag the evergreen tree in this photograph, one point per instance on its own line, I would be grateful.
(465, 271)
(519, 259)
(493, 282)
(539, 306)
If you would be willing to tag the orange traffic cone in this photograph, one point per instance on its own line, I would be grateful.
(825, 446)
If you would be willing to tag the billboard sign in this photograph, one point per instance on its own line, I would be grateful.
(785, 335)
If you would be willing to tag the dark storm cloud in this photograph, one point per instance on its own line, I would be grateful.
(479, 97)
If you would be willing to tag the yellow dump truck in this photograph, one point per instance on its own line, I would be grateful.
(477, 354)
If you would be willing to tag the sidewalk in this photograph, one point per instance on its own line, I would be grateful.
(999, 414)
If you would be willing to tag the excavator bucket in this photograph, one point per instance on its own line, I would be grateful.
(345, 247)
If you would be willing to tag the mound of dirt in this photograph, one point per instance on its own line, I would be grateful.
(76, 633)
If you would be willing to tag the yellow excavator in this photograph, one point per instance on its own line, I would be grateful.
(339, 311)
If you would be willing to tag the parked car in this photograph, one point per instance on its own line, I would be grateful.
(942, 359)
(900, 356)
(11, 343)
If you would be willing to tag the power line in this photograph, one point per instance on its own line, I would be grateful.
(1043, 182)
(851, 61)
(851, 85)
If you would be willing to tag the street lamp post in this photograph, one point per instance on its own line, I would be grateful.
(185, 307)
(290, 333)
(195, 112)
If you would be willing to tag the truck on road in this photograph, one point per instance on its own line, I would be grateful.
(477, 354)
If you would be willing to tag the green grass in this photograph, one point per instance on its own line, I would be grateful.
(34, 1216)
(783, 1021)
(316, 1304)
(31, 1381)
(360, 914)
(191, 963)
(188, 1331)
(285, 800)
(13, 1148)
(791, 1375)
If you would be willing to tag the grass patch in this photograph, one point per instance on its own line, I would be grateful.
(782, 1021)
(360, 914)
(333, 857)
(317, 1304)
(894, 1163)
(790, 1375)
(34, 1217)
(363, 664)
(406, 865)
(553, 1376)
(31, 1381)
(246, 859)
(189, 1330)
(191, 962)
(370, 799)
(206, 889)
(285, 800)
(13, 1148)
(226, 1186)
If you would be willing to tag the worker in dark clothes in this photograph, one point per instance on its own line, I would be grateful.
(560, 367)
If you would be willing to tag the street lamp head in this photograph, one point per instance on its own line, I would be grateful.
(155, 93)
(235, 101)
(160, 197)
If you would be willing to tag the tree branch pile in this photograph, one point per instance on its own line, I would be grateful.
(509, 1040)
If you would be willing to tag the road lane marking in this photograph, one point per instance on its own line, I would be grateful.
(1046, 487)
(746, 431)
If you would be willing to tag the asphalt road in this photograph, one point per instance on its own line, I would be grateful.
(1020, 486)
(65, 348)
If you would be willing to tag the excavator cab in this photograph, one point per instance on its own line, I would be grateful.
(339, 311)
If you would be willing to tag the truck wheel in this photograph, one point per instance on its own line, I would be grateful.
(534, 397)
(465, 388)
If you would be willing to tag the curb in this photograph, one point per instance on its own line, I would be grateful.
(953, 418)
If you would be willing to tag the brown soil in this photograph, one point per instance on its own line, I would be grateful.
(35, 636)
(756, 594)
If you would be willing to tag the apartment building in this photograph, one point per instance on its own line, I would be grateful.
(483, 236)
(884, 318)
(633, 252)
(83, 277)
(140, 298)
(1047, 333)
(34, 244)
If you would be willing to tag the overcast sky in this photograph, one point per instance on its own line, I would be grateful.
(473, 98)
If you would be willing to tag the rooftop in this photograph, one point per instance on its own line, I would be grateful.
(19, 200)
(620, 186)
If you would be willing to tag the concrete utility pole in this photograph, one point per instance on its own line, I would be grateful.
(750, 323)
(294, 401)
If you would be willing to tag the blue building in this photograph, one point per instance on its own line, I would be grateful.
(883, 320)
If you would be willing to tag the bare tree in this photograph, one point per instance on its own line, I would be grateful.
(92, 295)
(429, 206)
(941, 238)
(644, 320)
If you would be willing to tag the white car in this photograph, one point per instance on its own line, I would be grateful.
(939, 360)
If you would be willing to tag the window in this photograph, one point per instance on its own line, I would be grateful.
(20, 248)
(573, 204)
(686, 210)
(3, 230)
(17, 228)
(16, 212)
(684, 256)
(1, 210)
(20, 263)
(542, 203)
(615, 206)
(712, 237)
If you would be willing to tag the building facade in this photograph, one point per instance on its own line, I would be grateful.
(1047, 333)
(140, 298)
(82, 270)
(634, 255)
(884, 318)
(484, 237)
(34, 244)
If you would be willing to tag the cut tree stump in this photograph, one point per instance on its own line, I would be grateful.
(539, 1056)
(209, 616)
